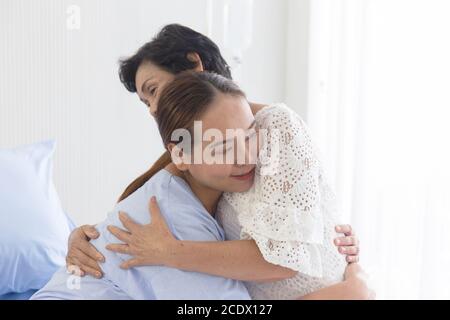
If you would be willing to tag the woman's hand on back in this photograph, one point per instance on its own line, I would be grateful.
(82, 257)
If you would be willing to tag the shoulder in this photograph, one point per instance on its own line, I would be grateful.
(183, 212)
(174, 196)
(280, 124)
(280, 116)
(136, 204)
(274, 108)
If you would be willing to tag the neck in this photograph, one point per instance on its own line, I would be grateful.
(207, 196)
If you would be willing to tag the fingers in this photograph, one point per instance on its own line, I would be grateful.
(120, 248)
(345, 229)
(89, 250)
(87, 261)
(85, 269)
(90, 231)
(346, 241)
(352, 259)
(135, 262)
(349, 250)
(155, 213)
(120, 234)
(92, 272)
(127, 221)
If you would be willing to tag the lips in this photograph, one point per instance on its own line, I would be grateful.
(245, 176)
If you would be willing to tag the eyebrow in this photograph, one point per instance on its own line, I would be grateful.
(224, 141)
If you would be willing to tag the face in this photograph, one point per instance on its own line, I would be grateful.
(227, 112)
(237, 149)
(150, 81)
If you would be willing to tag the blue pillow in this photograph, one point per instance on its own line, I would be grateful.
(33, 227)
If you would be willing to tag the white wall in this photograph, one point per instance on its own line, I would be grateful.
(297, 55)
(63, 84)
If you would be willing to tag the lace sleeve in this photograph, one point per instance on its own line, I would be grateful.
(284, 215)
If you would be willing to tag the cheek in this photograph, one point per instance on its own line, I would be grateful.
(218, 177)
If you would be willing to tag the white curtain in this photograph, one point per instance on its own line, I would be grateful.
(379, 107)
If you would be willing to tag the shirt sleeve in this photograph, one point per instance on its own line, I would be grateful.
(285, 217)
(188, 220)
(171, 283)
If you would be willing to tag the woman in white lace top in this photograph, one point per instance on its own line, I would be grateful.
(289, 212)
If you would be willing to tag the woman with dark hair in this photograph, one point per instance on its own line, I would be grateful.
(154, 66)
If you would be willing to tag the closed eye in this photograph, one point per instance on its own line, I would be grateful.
(151, 90)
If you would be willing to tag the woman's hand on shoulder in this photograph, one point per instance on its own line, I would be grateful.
(149, 244)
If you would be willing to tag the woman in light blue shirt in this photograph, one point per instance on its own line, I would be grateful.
(187, 200)
(187, 218)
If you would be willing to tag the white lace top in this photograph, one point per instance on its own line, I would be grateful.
(289, 211)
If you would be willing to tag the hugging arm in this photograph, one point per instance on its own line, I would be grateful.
(236, 259)
(239, 259)
(242, 260)
(354, 287)
(153, 244)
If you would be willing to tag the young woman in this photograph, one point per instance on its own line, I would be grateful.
(146, 73)
(187, 195)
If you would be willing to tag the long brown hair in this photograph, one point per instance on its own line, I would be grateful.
(182, 102)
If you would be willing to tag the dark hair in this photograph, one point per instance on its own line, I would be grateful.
(182, 102)
(169, 50)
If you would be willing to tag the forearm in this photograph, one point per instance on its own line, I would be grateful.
(345, 290)
(238, 259)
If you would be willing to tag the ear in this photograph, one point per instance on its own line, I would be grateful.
(178, 157)
(194, 57)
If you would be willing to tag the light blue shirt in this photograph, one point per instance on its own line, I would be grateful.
(187, 220)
